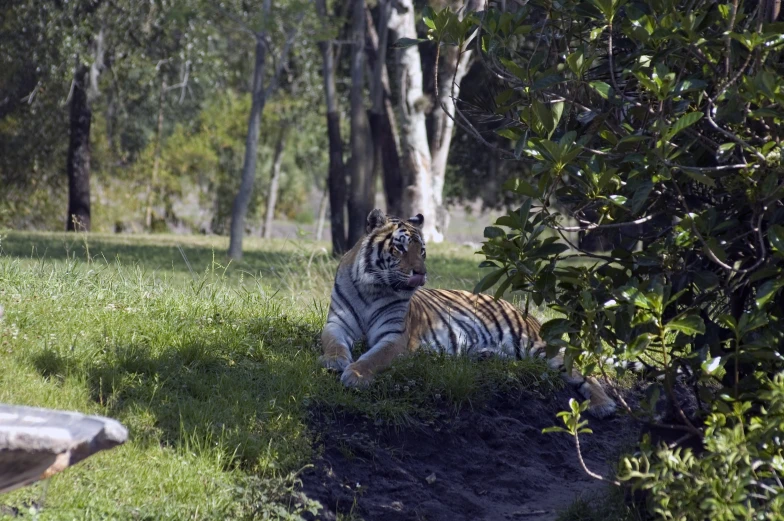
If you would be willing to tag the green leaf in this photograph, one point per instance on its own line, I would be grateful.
(557, 109)
(690, 85)
(543, 115)
(700, 178)
(595, 33)
(618, 199)
(548, 430)
(575, 61)
(404, 43)
(636, 297)
(604, 90)
(524, 211)
(776, 237)
(489, 280)
(640, 196)
(728, 321)
(683, 122)
(712, 365)
(547, 81)
(691, 325)
(767, 291)
(488, 264)
(492, 232)
(639, 345)
(521, 186)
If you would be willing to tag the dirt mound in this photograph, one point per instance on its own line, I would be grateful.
(489, 463)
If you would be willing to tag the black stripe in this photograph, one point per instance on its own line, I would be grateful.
(505, 316)
(467, 312)
(342, 297)
(438, 344)
(417, 308)
(381, 245)
(345, 324)
(488, 311)
(357, 290)
(384, 308)
(435, 309)
(369, 252)
(387, 333)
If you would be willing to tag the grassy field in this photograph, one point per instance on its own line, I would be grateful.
(211, 365)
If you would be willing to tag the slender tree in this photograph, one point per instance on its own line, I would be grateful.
(78, 166)
(336, 182)
(362, 195)
(386, 158)
(259, 96)
(272, 192)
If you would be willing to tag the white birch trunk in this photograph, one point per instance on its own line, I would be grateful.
(415, 156)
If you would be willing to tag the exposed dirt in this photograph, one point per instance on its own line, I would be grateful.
(489, 463)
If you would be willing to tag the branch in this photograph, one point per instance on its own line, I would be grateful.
(730, 135)
(240, 23)
(594, 226)
(284, 56)
(709, 168)
(712, 256)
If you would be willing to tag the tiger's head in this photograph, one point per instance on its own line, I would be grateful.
(393, 252)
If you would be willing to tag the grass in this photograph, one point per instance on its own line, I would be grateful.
(211, 365)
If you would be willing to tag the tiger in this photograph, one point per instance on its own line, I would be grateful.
(378, 296)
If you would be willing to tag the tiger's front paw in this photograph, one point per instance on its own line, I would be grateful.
(356, 376)
(335, 362)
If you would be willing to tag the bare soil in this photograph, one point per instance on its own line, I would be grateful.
(487, 463)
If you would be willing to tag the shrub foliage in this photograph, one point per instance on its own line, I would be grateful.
(656, 126)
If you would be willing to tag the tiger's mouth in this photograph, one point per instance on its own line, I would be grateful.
(417, 279)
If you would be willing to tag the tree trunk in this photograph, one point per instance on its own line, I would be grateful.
(157, 158)
(272, 195)
(453, 68)
(322, 215)
(240, 207)
(336, 181)
(78, 166)
(386, 159)
(362, 195)
(415, 154)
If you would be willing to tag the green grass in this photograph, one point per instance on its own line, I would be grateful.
(211, 365)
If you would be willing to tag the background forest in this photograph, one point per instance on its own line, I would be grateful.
(147, 106)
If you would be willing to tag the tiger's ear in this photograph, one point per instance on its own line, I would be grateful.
(418, 220)
(375, 219)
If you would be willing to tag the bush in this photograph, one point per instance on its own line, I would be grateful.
(655, 125)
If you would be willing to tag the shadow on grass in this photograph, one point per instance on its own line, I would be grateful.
(241, 401)
(154, 257)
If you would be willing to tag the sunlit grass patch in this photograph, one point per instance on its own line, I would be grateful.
(211, 365)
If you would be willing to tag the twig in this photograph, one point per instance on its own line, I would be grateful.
(586, 469)
(29, 98)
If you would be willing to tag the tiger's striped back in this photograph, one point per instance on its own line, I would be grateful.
(461, 322)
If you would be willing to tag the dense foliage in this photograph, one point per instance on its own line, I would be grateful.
(656, 126)
(183, 65)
